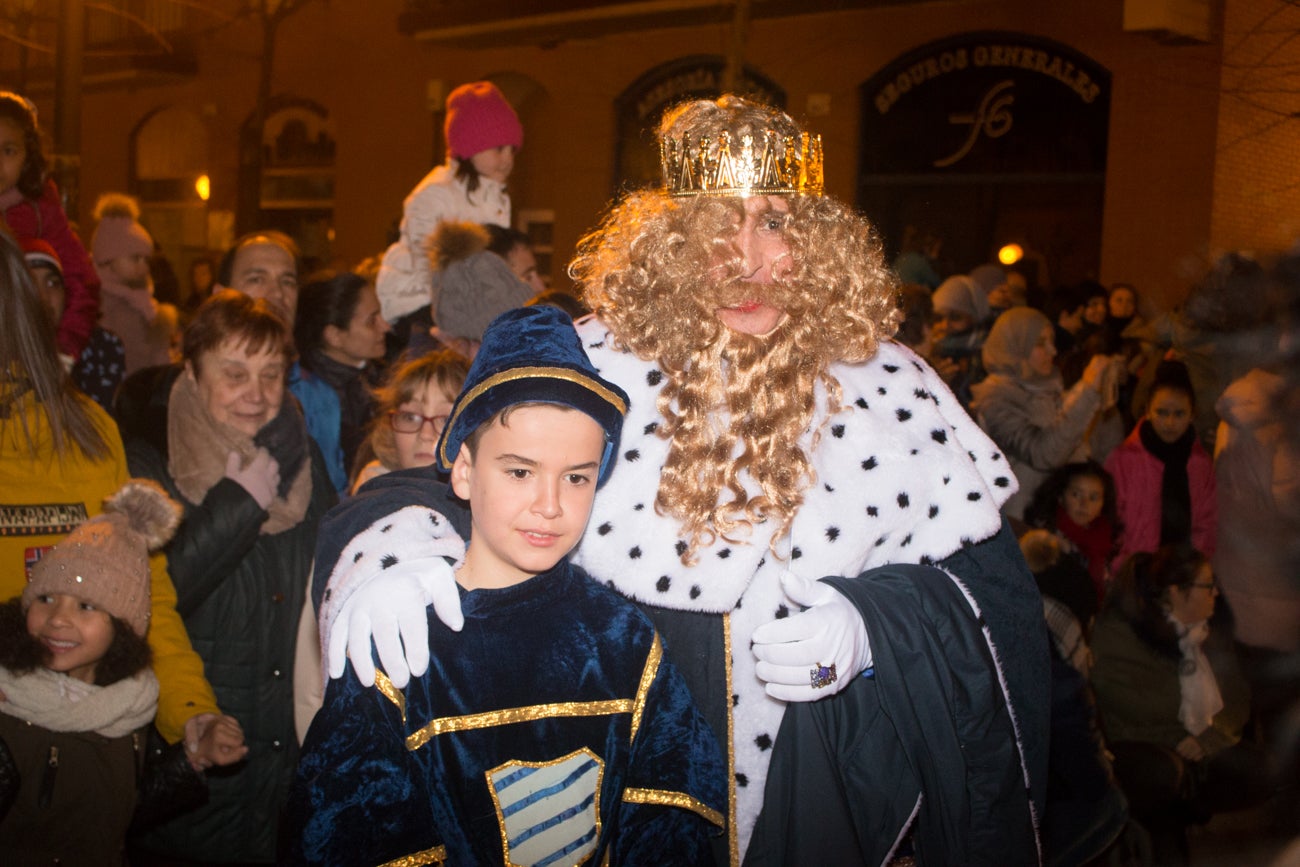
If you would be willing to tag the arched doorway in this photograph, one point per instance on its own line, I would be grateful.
(639, 107)
(990, 138)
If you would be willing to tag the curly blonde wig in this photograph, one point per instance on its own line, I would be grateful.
(656, 271)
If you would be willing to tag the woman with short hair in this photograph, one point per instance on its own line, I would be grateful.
(254, 487)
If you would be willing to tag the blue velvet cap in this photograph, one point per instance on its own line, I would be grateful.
(533, 355)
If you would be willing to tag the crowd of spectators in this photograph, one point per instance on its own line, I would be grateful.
(1157, 477)
(1156, 454)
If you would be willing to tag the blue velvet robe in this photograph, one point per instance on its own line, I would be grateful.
(551, 727)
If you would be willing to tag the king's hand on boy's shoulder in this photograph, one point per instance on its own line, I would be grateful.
(512, 711)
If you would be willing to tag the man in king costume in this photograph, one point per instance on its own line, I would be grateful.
(775, 437)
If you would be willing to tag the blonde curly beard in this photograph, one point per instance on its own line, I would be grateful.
(736, 406)
(743, 414)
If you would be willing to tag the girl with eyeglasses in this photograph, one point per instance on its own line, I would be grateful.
(412, 410)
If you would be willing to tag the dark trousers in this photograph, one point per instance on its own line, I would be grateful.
(1167, 793)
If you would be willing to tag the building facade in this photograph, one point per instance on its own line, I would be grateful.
(1124, 140)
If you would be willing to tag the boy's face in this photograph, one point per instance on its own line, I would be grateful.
(530, 485)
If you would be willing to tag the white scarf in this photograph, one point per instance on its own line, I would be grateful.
(60, 703)
(1200, 699)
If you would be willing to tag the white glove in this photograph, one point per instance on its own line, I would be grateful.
(390, 608)
(260, 478)
(798, 651)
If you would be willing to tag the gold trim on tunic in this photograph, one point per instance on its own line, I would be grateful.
(436, 855)
(673, 799)
(733, 837)
(647, 678)
(509, 716)
(390, 692)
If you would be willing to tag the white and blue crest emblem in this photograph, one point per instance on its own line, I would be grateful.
(549, 811)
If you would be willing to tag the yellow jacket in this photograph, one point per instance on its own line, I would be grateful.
(43, 498)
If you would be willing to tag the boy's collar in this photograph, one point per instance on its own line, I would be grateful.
(487, 601)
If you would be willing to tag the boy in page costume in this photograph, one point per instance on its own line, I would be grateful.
(550, 729)
(776, 436)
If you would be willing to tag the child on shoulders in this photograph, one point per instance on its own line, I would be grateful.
(31, 208)
(483, 135)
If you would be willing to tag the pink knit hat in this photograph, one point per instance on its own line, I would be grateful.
(119, 232)
(478, 119)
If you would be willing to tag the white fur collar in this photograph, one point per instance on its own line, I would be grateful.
(903, 476)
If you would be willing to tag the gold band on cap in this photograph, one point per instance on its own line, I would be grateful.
(517, 373)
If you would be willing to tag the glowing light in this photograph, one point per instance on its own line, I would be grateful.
(203, 186)
(1010, 254)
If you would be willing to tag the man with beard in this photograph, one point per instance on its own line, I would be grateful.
(775, 435)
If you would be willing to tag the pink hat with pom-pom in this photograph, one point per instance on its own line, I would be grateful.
(478, 119)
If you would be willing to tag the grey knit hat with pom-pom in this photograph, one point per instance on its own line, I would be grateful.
(105, 561)
(471, 286)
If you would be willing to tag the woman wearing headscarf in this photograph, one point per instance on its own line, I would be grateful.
(254, 487)
(1022, 405)
(958, 329)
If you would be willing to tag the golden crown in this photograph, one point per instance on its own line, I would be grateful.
(775, 165)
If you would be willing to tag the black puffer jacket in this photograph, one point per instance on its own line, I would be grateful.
(241, 594)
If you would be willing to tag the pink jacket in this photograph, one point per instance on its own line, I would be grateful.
(45, 219)
(1138, 474)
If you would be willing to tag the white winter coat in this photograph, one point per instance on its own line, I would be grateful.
(404, 283)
